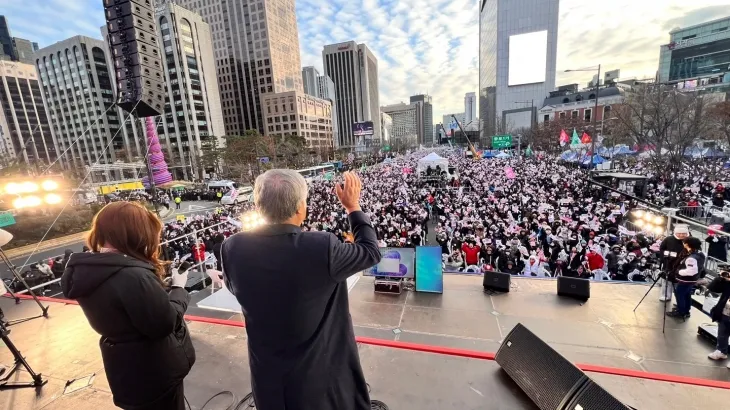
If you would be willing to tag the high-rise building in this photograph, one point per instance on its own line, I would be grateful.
(256, 51)
(517, 56)
(78, 94)
(470, 107)
(697, 57)
(193, 116)
(386, 127)
(407, 123)
(6, 40)
(326, 90)
(423, 101)
(309, 81)
(354, 70)
(23, 50)
(296, 113)
(25, 131)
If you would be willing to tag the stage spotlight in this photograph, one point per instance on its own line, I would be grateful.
(12, 188)
(658, 220)
(32, 201)
(658, 230)
(639, 213)
(53, 199)
(19, 203)
(640, 223)
(49, 185)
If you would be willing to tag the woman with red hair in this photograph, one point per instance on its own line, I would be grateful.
(145, 344)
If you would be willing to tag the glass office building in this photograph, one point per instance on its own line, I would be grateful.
(517, 55)
(698, 57)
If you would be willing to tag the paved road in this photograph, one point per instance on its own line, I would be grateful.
(187, 208)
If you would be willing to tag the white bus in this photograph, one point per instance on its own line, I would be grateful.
(317, 172)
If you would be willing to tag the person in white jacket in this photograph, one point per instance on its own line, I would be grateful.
(533, 267)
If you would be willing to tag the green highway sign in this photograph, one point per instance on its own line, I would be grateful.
(6, 219)
(501, 141)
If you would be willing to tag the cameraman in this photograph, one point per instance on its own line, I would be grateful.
(721, 314)
(669, 252)
(686, 275)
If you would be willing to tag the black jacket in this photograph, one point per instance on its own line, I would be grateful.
(293, 292)
(145, 344)
(721, 286)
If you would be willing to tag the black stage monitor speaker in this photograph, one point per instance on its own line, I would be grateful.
(197, 280)
(548, 379)
(541, 372)
(134, 45)
(576, 288)
(496, 281)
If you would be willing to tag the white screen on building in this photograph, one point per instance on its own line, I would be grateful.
(527, 58)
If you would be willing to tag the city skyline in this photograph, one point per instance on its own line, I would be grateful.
(421, 50)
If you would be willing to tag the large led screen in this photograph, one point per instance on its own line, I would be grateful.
(527, 58)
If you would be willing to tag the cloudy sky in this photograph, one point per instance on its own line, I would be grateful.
(429, 45)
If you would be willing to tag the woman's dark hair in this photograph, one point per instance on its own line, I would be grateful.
(693, 243)
(131, 229)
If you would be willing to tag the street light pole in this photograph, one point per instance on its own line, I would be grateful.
(593, 117)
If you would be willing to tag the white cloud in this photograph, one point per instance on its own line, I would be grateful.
(412, 40)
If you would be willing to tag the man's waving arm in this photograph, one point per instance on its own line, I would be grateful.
(347, 259)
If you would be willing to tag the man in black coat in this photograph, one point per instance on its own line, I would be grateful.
(293, 293)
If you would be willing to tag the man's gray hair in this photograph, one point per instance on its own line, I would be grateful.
(278, 193)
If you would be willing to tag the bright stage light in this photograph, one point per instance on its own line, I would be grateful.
(658, 220)
(12, 188)
(19, 203)
(49, 185)
(53, 199)
(658, 230)
(640, 223)
(639, 213)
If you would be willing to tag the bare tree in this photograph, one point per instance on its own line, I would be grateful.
(666, 120)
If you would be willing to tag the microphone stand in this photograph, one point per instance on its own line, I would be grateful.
(19, 278)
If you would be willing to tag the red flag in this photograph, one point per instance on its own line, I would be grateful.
(586, 139)
(564, 137)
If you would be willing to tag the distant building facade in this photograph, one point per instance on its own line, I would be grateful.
(698, 57)
(297, 113)
(353, 69)
(470, 107)
(26, 134)
(193, 116)
(425, 107)
(78, 94)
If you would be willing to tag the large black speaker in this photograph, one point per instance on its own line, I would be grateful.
(548, 379)
(541, 372)
(134, 46)
(577, 288)
(496, 281)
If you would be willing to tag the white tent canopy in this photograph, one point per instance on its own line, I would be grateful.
(433, 160)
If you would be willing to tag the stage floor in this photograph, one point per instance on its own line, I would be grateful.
(601, 332)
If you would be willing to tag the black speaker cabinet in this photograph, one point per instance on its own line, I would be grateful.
(497, 281)
(197, 280)
(593, 396)
(542, 373)
(576, 288)
(134, 45)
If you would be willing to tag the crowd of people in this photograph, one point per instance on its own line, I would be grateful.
(523, 216)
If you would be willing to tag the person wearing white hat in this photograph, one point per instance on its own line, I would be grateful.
(669, 251)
